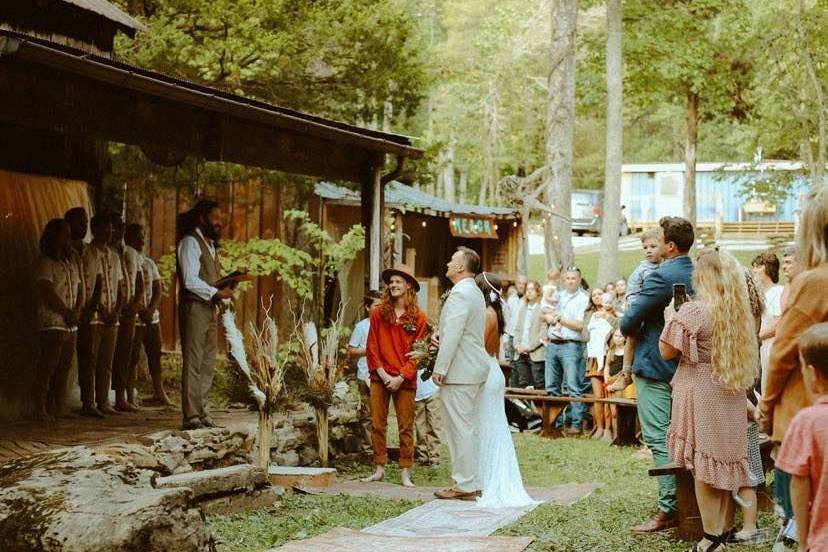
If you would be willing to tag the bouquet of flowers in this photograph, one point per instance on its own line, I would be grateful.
(425, 353)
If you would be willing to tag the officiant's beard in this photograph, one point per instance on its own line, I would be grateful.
(211, 231)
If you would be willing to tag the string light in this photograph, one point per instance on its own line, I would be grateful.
(424, 224)
(514, 223)
(495, 226)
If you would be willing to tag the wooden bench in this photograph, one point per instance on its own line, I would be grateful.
(687, 508)
(550, 408)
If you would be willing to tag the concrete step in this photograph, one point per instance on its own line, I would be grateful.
(243, 502)
(287, 476)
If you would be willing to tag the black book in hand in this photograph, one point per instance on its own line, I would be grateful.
(232, 279)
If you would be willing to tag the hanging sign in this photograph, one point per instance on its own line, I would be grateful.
(472, 227)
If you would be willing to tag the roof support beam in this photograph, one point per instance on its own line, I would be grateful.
(38, 97)
(373, 207)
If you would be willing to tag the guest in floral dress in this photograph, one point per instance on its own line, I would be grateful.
(715, 336)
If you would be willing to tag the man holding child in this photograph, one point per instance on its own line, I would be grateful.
(644, 319)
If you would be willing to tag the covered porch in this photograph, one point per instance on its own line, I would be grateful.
(61, 106)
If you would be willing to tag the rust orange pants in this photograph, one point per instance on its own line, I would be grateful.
(404, 408)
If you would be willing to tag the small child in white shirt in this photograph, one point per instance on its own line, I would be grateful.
(652, 242)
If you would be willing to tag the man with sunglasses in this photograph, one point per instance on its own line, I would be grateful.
(565, 361)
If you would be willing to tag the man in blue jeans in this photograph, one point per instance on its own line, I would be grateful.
(565, 361)
(645, 320)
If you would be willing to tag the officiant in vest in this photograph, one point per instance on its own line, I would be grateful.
(198, 270)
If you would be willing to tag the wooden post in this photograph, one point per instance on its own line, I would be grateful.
(372, 210)
(398, 238)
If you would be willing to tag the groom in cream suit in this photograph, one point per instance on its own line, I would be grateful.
(460, 370)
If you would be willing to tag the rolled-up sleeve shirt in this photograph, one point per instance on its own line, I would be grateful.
(189, 262)
(389, 344)
(572, 307)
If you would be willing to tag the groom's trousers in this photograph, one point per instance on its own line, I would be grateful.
(460, 404)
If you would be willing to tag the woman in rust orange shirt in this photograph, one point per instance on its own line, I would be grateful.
(396, 323)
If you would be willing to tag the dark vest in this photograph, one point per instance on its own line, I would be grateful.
(209, 271)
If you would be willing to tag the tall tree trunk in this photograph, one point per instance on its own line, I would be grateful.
(448, 174)
(611, 221)
(523, 250)
(819, 171)
(387, 115)
(490, 112)
(464, 187)
(560, 127)
(691, 120)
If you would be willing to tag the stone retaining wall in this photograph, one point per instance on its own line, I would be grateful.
(294, 435)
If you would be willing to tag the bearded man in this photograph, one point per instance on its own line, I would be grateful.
(198, 271)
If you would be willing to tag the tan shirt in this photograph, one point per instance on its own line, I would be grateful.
(109, 264)
(151, 275)
(65, 279)
(90, 269)
(131, 262)
(784, 394)
(537, 327)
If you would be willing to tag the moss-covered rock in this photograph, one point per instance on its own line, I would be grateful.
(79, 499)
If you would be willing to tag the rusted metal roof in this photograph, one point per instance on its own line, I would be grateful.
(109, 11)
(401, 196)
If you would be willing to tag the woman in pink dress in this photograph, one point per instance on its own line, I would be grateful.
(715, 336)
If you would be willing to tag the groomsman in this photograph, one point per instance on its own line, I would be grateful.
(148, 321)
(396, 323)
(60, 294)
(101, 265)
(123, 382)
(198, 271)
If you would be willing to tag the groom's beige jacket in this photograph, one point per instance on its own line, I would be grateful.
(462, 358)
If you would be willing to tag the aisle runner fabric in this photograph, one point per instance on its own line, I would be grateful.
(457, 518)
(348, 540)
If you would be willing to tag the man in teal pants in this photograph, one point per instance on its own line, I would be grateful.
(645, 320)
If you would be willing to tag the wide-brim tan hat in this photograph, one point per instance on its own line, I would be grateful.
(401, 270)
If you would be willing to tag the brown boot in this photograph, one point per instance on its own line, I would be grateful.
(454, 494)
(658, 522)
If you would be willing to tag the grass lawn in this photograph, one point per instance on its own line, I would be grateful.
(627, 261)
(598, 523)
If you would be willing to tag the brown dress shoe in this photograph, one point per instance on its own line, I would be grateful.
(454, 494)
(658, 522)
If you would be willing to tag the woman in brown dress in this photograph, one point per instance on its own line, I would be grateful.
(715, 336)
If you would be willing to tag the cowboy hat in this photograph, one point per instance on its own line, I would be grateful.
(401, 270)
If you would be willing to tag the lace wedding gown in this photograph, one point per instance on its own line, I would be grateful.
(502, 486)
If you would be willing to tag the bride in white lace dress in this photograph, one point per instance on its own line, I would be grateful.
(501, 483)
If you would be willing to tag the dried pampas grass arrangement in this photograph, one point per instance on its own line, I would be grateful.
(263, 368)
(322, 370)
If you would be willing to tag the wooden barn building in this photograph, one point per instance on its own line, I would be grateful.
(64, 97)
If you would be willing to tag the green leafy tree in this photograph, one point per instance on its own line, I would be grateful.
(691, 53)
(347, 59)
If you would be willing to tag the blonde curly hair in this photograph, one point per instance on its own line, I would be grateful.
(719, 281)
